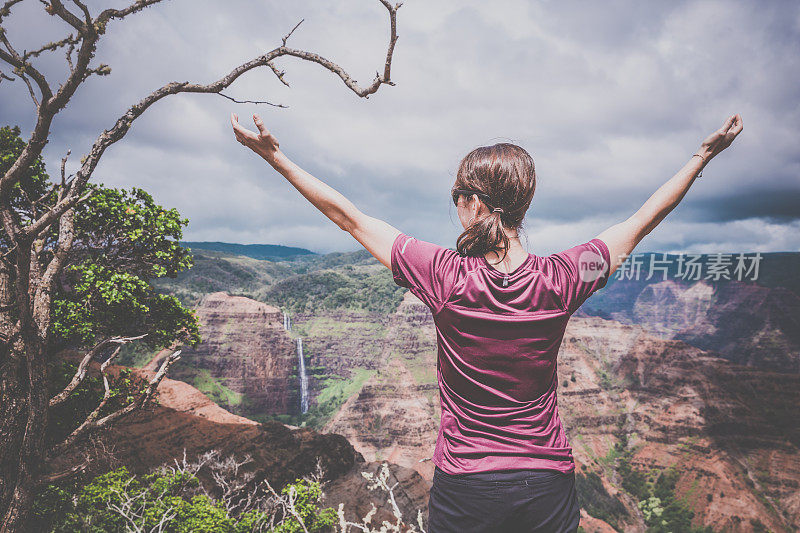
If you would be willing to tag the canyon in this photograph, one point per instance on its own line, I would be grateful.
(246, 358)
(700, 379)
(185, 423)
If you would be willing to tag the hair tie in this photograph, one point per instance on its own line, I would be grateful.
(496, 209)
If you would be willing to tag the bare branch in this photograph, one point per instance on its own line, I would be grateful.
(92, 421)
(249, 101)
(47, 280)
(286, 37)
(23, 67)
(124, 123)
(64, 169)
(89, 422)
(57, 476)
(55, 7)
(146, 395)
(278, 73)
(50, 105)
(385, 78)
(49, 47)
(87, 17)
(137, 6)
(6, 9)
(70, 49)
(100, 70)
(30, 90)
(292, 496)
(84, 365)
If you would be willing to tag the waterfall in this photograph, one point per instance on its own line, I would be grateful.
(303, 377)
(287, 322)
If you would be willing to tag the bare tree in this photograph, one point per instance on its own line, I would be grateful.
(30, 265)
(380, 480)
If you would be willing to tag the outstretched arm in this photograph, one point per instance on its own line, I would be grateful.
(374, 234)
(622, 238)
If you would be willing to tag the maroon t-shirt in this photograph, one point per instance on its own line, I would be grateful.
(497, 348)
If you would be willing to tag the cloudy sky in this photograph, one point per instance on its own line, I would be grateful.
(610, 99)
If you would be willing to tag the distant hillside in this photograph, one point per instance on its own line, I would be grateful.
(302, 283)
(754, 321)
(270, 252)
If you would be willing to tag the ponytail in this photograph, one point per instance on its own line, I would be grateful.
(503, 176)
(483, 235)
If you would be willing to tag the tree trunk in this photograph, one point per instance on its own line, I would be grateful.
(23, 419)
(13, 416)
(23, 397)
(14, 407)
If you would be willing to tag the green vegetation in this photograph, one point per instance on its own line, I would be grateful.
(215, 389)
(654, 491)
(331, 326)
(305, 283)
(335, 392)
(106, 287)
(136, 354)
(597, 501)
(216, 271)
(270, 252)
(122, 241)
(605, 380)
(663, 510)
(112, 501)
(337, 289)
(423, 373)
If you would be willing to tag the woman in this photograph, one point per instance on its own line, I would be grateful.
(502, 459)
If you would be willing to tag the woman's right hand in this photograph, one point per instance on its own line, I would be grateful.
(722, 138)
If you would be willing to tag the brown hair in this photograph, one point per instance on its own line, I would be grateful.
(504, 176)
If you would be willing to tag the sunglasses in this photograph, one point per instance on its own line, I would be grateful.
(457, 192)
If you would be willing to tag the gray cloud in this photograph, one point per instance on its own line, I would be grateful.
(610, 100)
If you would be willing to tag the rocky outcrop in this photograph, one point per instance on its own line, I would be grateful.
(744, 322)
(728, 428)
(395, 416)
(186, 421)
(338, 342)
(245, 353)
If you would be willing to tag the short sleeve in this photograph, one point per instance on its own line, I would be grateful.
(580, 271)
(428, 270)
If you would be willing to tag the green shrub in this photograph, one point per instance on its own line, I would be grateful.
(109, 502)
(597, 501)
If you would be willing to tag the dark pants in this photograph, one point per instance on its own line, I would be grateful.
(543, 501)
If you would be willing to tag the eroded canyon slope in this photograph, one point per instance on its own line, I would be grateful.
(698, 379)
(749, 323)
(246, 361)
(186, 422)
(727, 429)
(730, 431)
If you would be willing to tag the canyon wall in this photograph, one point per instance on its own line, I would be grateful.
(727, 428)
(745, 322)
(246, 361)
(699, 378)
(185, 423)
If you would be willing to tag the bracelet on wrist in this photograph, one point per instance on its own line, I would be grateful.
(700, 174)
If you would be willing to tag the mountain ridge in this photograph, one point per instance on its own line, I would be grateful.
(256, 251)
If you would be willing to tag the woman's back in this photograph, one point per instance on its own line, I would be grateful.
(498, 337)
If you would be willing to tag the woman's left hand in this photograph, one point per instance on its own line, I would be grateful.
(263, 143)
